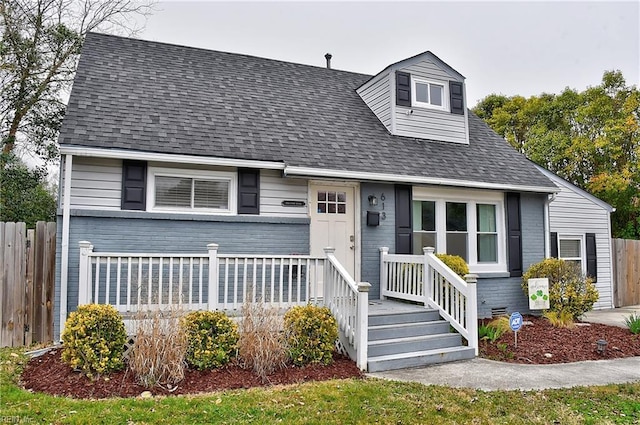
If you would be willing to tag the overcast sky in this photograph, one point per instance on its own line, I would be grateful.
(500, 47)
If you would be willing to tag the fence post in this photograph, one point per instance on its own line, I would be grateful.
(84, 282)
(362, 329)
(384, 284)
(213, 276)
(472, 310)
(427, 276)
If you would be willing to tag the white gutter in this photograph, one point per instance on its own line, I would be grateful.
(394, 178)
(547, 225)
(64, 255)
(163, 157)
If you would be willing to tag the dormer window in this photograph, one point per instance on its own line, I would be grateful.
(429, 94)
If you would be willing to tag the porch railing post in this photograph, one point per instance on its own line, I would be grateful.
(362, 328)
(326, 284)
(213, 276)
(384, 251)
(427, 275)
(472, 310)
(84, 281)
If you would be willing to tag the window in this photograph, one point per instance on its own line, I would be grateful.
(570, 249)
(429, 94)
(487, 233)
(455, 223)
(191, 190)
(332, 202)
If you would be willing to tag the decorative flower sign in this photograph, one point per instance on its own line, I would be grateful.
(538, 294)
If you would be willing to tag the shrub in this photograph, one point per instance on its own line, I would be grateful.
(212, 339)
(261, 346)
(561, 319)
(159, 349)
(633, 323)
(94, 338)
(311, 334)
(455, 263)
(569, 290)
(493, 330)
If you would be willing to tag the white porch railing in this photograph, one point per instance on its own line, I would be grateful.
(349, 303)
(148, 281)
(404, 277)
(134, 282)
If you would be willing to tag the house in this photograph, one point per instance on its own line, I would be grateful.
(580, 231)
(166, 149)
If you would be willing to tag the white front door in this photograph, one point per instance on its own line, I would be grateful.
(333, 223)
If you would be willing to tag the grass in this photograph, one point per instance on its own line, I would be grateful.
(633, 323)
(331, 402)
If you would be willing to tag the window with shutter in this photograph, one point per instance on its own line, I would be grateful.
(177, 190)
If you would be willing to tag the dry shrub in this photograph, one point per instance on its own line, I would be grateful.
(261, 345)
(158, 353)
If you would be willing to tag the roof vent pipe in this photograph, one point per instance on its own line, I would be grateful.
(328, 58)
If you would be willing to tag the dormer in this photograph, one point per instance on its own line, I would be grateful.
(420, 97)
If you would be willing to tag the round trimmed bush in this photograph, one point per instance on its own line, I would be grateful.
(455, 263)
(94, 338)
(212, 339)
(570, 291)
(311, 334)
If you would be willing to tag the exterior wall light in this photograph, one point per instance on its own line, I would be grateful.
(373, 201)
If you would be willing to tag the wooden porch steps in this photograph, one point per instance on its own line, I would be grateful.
(412, 338)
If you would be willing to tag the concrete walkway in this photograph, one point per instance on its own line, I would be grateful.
(491, 375)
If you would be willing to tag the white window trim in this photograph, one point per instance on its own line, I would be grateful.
(445, 94)
(583, 249)
(471, 198)
(231, 177)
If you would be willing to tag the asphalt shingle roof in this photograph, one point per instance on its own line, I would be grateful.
(154, 97)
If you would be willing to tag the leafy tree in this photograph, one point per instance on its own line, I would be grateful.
(590, 138)
(40, 42)
(24, 194)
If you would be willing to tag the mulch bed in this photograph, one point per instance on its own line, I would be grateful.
(542, 343)
(48, 374)
(538, 343)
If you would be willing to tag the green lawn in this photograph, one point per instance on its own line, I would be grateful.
(338, 402)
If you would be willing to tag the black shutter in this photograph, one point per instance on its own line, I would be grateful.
(404, 234)
(456, 97)
(403, 88)
(554, 245)
(592, 258)
(514, 230)
(248, 191)
(134, 185)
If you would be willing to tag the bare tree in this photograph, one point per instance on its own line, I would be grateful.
(39, 48)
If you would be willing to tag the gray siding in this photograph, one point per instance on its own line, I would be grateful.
(430, 123)
(372, 238)
(257, 236)
(95, 183)
(573, 214)
(377, 95)
(507, 292)
(274, 189)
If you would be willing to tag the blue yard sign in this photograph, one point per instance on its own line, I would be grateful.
(515, 321)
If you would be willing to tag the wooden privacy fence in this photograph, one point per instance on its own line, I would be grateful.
(626, 266)
(27, 270)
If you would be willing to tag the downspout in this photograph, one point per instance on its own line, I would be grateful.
(547, 225)
(64, 255)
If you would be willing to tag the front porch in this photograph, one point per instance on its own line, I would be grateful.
(409, 326)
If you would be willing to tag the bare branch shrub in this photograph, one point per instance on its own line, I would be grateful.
(262, 345)
(158, 353)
